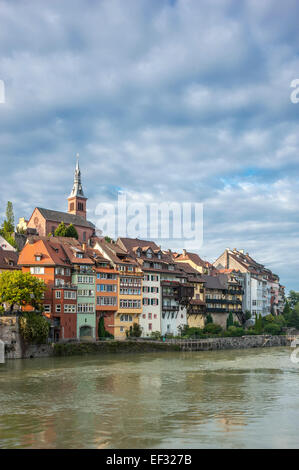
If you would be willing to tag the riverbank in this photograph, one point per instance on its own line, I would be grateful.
(64, 349)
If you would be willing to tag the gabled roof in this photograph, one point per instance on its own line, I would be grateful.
(192, 257)
(8, 259)
(57, 216)
(130, 243)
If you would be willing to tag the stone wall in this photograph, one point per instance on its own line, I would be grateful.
(242, 342)
(14, 345)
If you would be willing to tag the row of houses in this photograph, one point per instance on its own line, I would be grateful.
(132, 281)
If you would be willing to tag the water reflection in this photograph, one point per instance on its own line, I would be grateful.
(208, 399)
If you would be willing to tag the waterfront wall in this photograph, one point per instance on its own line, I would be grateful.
(16, 349)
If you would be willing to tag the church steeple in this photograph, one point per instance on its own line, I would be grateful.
(77, 199)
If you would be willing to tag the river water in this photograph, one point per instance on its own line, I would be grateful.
(221, 399)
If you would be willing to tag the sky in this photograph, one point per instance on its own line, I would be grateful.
(181, 100)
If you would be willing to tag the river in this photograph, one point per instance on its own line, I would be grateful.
(221, 399)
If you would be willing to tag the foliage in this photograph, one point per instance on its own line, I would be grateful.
(212, 328)
(108, 239)
(8, 225)
(18, 288)
(71, 232)
(293, 298)
(34, 328)
(102, 332)
(272, 328)
(209, 319)
(229, 320)
(293, 317)
(101, 328)
(287, 309)
(61, 230)
(247, 315)
(135, 331)
(156, 335)
(234, 331)
(259, 324)
(194, 332)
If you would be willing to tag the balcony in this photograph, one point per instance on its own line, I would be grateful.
(217, 310)
(170, 308)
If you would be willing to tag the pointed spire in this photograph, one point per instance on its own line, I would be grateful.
(77, 187)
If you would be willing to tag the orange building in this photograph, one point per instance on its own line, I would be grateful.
(46, 259)
(106, 291)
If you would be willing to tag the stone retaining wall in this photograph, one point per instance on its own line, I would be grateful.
(16, 349)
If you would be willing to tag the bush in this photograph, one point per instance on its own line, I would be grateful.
(34, 328)
(155, 335)
(212, 329)
(273, 329)
(194, 332)
(209, 319)
(229, 320)
(250, 331)
(235, 331)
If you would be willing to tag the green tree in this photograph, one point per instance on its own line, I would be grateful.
(108, 239)
(34, 328)
(293, 318)
(209, 319)
(17, 288)
(61, 230)
(212, 329)
(101, 328)
(8, 225)
(229, 320)
(258, 324)
(287, 309)
(71, 232)
(134, 331)
(293, 298)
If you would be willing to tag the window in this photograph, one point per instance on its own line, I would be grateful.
(59, 271)
(69, 294)
(149, 316)
(47, 308)
(79, 255)
(85, 293)
(150, 326)
(84, 236)
(106, 301)
(155, 315)
(80, 206)
(144, 316)
(37, 270)
(38, 257)
(129, 303)
(121, 328)
(58, 294)
(59, 282)
(69, 308)
(67, 271)
(85, 308)
(57, 308)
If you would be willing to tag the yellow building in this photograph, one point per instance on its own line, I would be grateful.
(193, 260)
(129, 302)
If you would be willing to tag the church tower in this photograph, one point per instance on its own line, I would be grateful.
(77, 200)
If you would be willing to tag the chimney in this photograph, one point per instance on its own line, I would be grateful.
(242, 251)
(227, 259)
(184, 252)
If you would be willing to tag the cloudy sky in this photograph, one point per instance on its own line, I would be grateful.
(167, 100)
